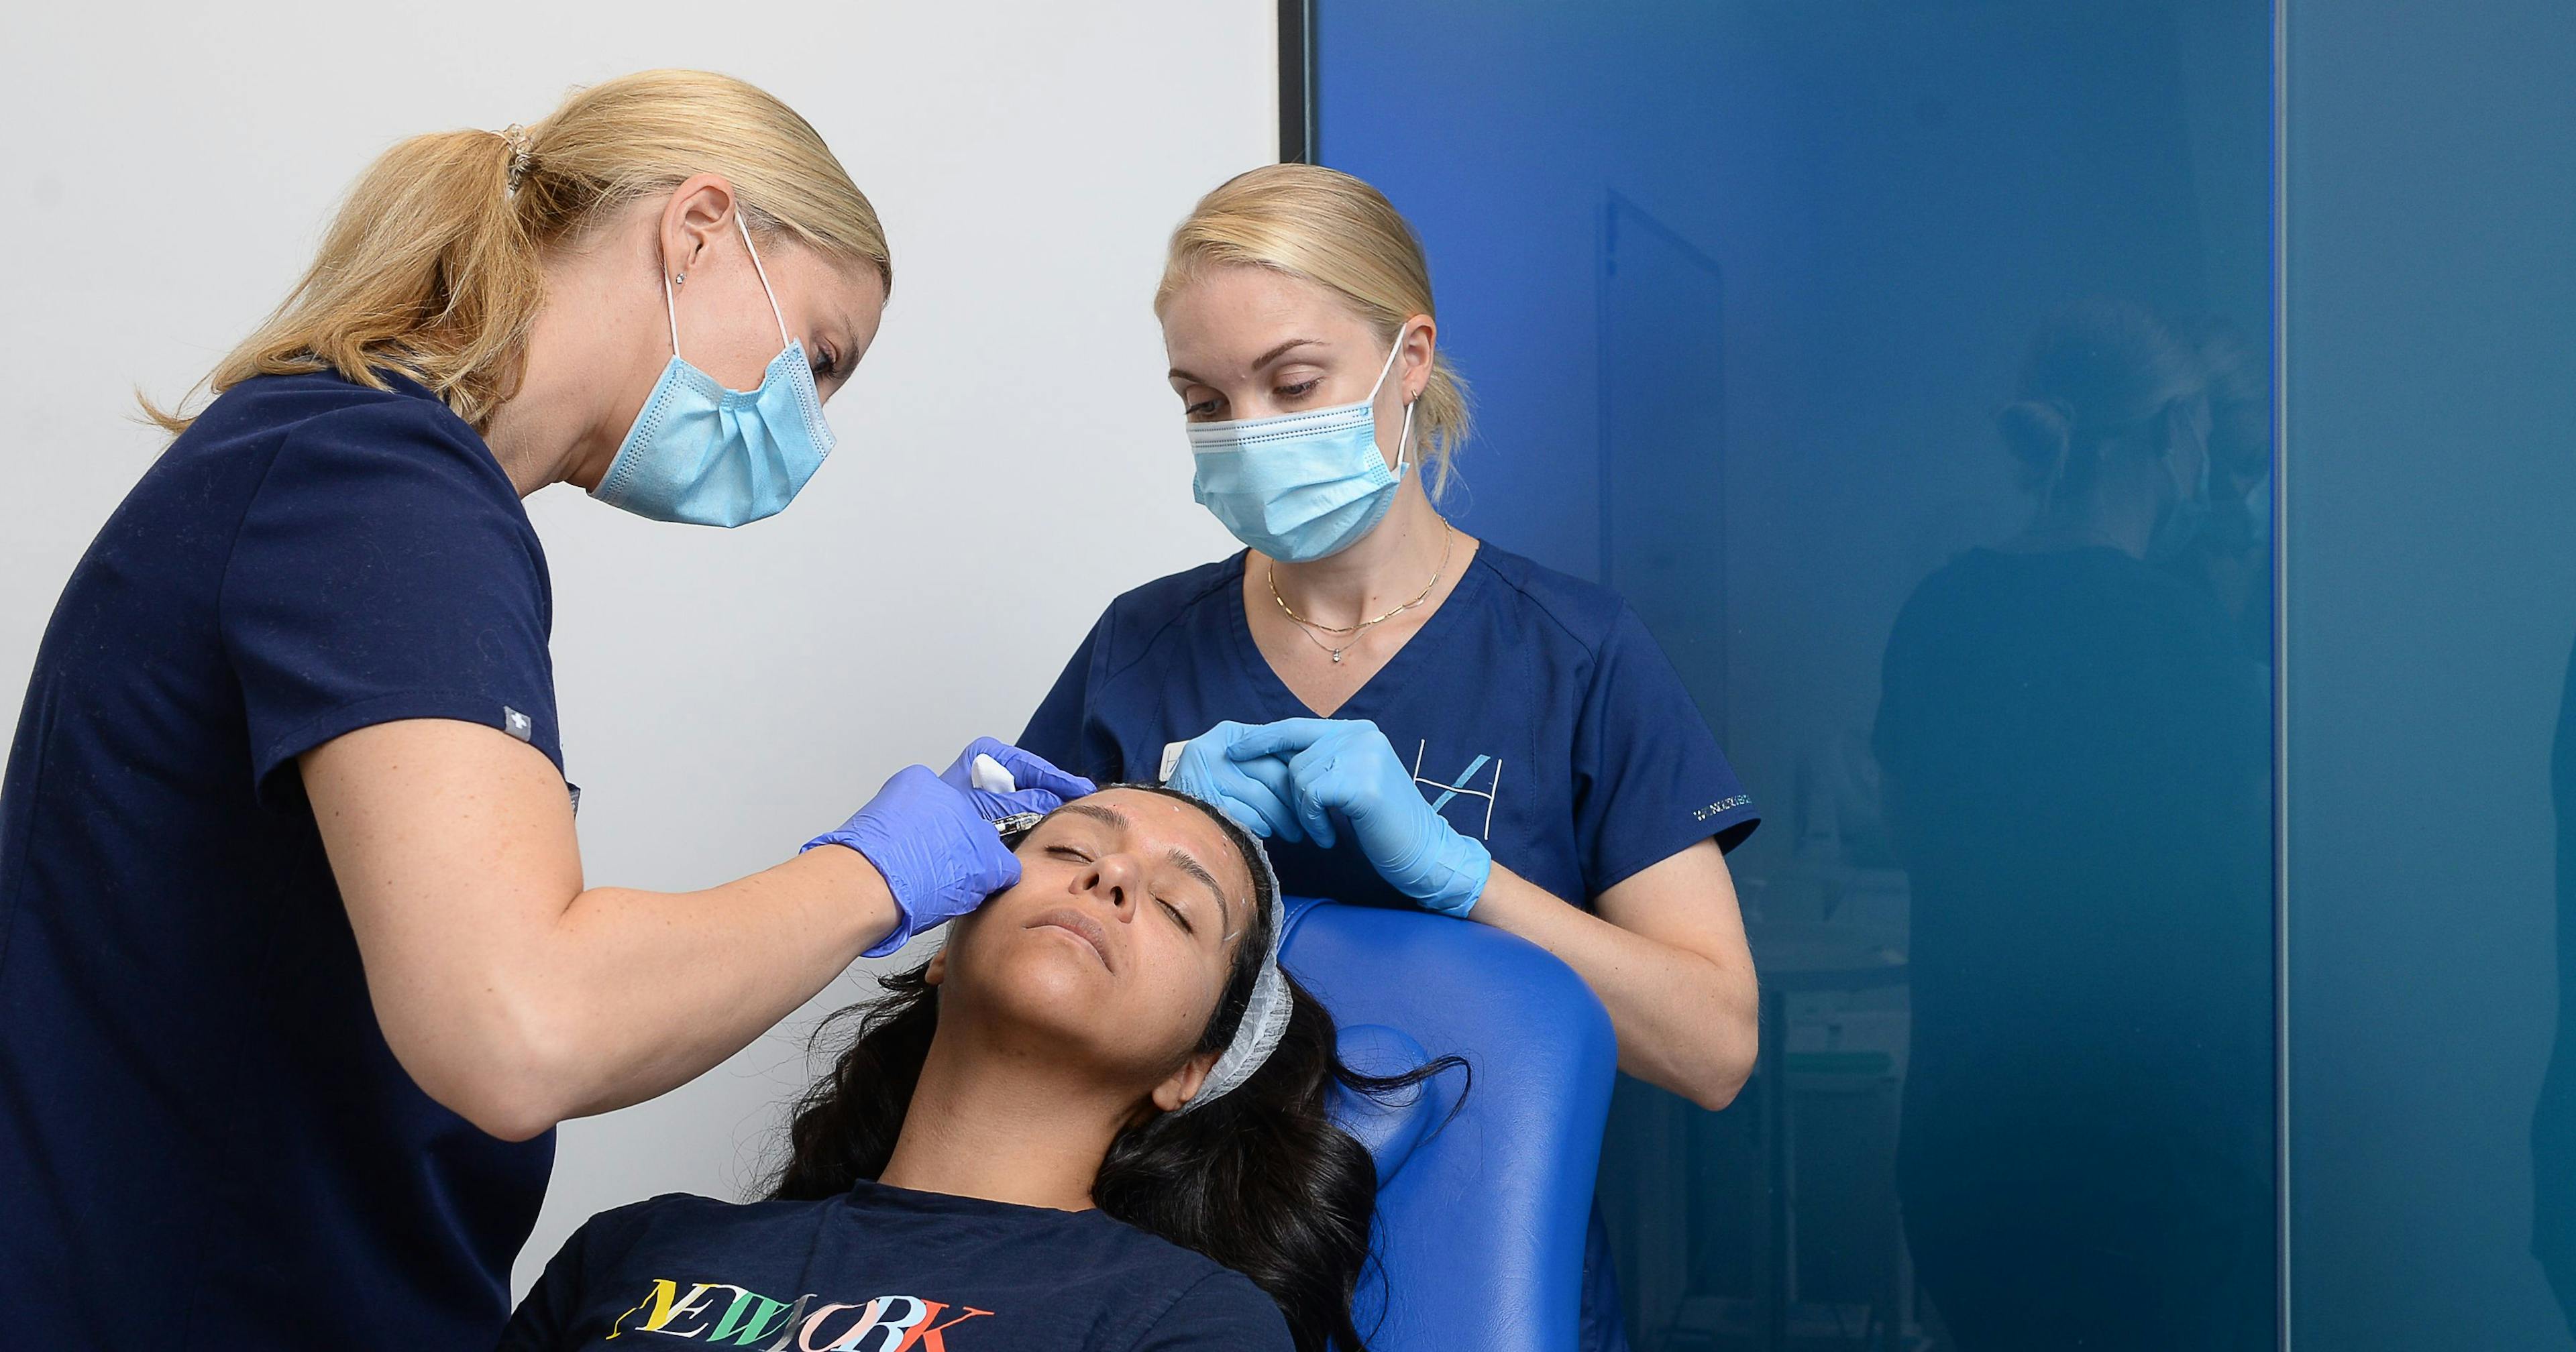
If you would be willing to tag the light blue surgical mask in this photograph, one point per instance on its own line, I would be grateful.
(709, 456)
(1301, 486)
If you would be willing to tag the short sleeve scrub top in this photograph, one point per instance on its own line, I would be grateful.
(204, 1140)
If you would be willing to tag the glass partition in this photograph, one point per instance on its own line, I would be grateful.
(1907, 367)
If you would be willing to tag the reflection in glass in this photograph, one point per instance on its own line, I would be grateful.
(1742, 287)
(2074, 756)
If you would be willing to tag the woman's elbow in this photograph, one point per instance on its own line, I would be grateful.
(505, 1116)
(1715, 1084)
(496, 1062)
(1728, 1052)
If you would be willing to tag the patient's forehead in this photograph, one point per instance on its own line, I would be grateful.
(1156, 823)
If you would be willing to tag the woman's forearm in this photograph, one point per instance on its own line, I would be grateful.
(513, 994)
(1686, 1020)
(649, 990)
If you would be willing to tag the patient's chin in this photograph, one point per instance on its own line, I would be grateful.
(1052, 987)
(1044, 972)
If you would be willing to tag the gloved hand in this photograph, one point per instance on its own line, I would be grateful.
(1042, 787)
(1345, 766)
(940, 855)
(1254, 791)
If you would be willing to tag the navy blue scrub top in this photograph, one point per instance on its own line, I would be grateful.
(1535, 712)
(885, 1268)
(204, 1141)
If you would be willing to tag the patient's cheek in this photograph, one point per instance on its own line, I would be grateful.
(1183, 1007)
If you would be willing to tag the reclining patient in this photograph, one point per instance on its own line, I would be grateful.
(1095, 1120)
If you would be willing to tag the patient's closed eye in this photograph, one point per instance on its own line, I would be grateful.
(1179, 916)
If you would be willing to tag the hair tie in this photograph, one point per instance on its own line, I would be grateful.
(522, 155)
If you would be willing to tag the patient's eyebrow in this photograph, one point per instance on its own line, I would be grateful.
(1189, 864)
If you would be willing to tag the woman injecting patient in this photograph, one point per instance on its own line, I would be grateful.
(1096, 1119)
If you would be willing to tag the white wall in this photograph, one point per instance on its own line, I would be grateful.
(725, 695)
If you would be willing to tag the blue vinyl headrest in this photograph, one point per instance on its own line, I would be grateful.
(1393, 1124)
(1480, 1216)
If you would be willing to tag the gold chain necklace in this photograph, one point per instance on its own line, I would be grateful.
(1309, 628)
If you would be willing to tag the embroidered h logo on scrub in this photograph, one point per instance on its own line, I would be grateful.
(1446, 790)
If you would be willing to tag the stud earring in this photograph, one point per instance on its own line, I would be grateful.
(679, 279)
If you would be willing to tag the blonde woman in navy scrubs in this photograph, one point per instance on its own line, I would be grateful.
(298, 964)
(1411, 716)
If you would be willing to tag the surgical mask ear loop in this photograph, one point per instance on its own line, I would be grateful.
(671, 306)
(1404, 437)
(671, 309)
(763, 274)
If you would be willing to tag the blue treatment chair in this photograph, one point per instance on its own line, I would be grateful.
(1480, 1221)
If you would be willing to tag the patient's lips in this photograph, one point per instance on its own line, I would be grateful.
(1082, 926)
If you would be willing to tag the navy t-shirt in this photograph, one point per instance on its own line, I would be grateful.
(204, 1141)
(1533, 708)
(883, 1269)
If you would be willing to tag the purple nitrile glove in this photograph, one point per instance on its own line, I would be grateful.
(1042, 787)
(939, 854)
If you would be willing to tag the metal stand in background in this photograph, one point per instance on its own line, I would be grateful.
(1798, 957)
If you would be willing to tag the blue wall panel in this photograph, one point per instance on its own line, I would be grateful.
(2430, 484)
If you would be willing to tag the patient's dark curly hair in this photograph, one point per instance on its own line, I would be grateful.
(1260, 1180)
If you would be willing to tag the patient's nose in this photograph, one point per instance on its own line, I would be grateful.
(1117, 880)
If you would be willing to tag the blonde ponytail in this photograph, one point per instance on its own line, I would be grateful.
(1336, 231)
(432, 266)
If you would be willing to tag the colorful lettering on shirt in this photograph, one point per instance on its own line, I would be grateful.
(878, 1324)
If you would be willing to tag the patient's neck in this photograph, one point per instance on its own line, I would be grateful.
(1005, 1125)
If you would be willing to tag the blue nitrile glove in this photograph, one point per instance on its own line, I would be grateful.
(1345, 766)
(1042, 787)
(1254, 791)
(939, 854)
